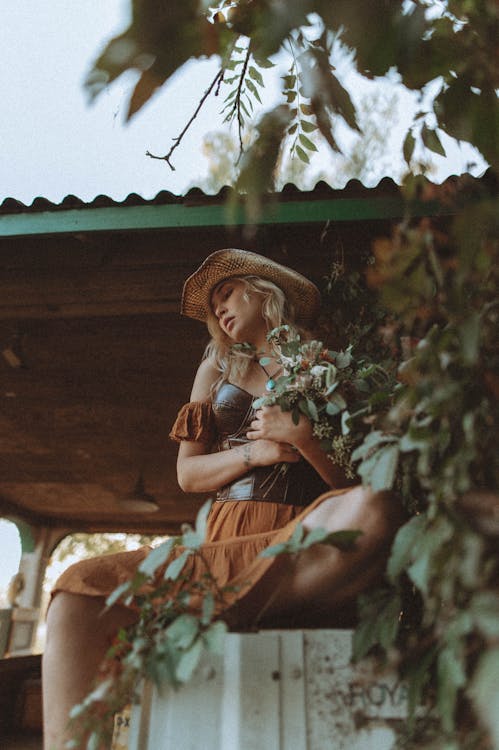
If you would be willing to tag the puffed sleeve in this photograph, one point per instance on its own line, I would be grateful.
(195, 422)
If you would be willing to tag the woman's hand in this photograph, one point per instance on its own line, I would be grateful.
(261, 452)
(271, 423)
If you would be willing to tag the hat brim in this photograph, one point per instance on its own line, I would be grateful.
(224, 264)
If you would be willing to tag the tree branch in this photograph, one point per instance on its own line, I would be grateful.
(217, 80)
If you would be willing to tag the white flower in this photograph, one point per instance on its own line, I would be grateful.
(289, 362)
(318, 370)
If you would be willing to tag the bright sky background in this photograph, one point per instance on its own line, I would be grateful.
(51, 142)
(10, 545)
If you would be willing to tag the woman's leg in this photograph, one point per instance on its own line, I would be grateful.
(78, 636)
(317, 585)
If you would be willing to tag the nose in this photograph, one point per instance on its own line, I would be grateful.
(220, 309)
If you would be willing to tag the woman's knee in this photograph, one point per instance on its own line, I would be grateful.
(85, 615)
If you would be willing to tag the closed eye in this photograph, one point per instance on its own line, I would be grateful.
(221, 296)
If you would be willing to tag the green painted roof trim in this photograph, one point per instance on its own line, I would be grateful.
(129, 218)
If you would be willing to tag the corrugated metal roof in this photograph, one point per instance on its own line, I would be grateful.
(354, 188)
(197, 209)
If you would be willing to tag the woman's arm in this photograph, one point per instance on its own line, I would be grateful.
(272, 423)
(200, 470)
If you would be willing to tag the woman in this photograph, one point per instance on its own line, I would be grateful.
(228, 448)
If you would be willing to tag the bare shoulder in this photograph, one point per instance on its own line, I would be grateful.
(206, 375)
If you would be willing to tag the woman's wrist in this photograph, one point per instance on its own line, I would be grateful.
(246, 450)
(303, 436)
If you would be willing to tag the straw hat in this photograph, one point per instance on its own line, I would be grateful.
(224, 264)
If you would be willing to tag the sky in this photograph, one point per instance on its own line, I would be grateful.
(52, 143)
(10, 545)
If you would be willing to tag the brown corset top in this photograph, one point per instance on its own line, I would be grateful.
(291, 484)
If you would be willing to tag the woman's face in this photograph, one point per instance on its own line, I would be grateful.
(239, 313)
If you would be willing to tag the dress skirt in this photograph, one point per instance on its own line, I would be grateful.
(235, 560)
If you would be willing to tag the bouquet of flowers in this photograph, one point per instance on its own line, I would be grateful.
(339, 392)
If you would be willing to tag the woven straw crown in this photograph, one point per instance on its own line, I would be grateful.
(224, 264)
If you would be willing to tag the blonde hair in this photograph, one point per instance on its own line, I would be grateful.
(233, 363)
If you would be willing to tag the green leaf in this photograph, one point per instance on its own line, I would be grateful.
(344, 539)
(297, 536)
(379, 614)
(176, 566)
(244, 108)
(345, 426)
(289, 81)
(302, 155)
(263, 62)
(484, 691)
(191, 539)
(332, 408)
(315, 536)
(469, 334)
(306, 109)
(214, 637)
(408, 148)
(338, 400)
(418, 677)
(157, 557)
(431, 140)
(189, 661)
(431, 543)
(276, 549)
(208, 608)
(372, 440)
(307, 126)
(118, 593)
(259, 402)
(343, 360)
(484, 608)
(202, 519)
(451, 677)
(231, 95)
(378, 471)
(312, 410)
(307, 142)
(256, 75)
(404, 545)
(94, 741)
(251, 86)
(183, 631)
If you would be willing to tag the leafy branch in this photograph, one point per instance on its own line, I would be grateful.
(436, 619)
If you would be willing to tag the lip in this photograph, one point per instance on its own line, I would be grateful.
(228, 322)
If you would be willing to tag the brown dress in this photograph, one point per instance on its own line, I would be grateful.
(260, 509)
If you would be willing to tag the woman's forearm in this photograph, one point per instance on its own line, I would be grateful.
(207, 472)
(330, 472)
(198, 471)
